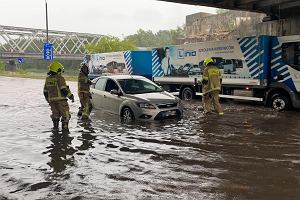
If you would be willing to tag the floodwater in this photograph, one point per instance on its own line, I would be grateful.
(251, 152)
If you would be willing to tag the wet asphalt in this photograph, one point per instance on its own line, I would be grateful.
(252, 152)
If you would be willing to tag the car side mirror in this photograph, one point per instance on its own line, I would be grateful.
(115, 92)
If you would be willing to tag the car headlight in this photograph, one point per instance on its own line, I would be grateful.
(146, 105)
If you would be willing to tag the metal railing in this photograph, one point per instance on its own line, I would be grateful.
(28, 42)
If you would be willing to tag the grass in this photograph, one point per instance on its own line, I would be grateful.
(68, 72)
(36, 74)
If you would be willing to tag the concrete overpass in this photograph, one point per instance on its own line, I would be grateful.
(283, 16)
(277, 8)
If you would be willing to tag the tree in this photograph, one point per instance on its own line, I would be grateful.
(177, 34)
(142, 38)
(163, 37)
(2, 66)
(110, 44)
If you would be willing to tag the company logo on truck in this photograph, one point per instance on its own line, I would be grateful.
(181, 53)
(100, 58)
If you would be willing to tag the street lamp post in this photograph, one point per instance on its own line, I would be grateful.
(47, 36)
(48, 48)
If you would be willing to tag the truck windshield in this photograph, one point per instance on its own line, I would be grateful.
(138, 86)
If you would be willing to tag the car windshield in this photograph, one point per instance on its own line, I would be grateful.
(138, 86)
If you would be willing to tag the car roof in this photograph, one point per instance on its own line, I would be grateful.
(118, 77)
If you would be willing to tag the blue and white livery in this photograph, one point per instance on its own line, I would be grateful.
(263, 68)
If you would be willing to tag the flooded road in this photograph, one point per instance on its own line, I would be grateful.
(251, 152)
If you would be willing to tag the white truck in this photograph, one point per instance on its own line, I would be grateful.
(262, 68)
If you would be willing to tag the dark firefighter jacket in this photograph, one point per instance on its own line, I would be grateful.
(56, 89)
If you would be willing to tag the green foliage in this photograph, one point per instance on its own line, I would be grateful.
(68, 71)
(177, 33)
(163, 37)
(2, 66)
(110, 44)
(142, 38)
(21, 71)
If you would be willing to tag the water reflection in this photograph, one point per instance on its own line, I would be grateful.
(87, 138)
(60, 151)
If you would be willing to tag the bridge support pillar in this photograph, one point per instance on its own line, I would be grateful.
(282, 27)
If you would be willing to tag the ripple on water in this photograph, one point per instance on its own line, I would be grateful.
(198, 157)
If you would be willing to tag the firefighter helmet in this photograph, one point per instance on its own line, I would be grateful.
(208, 60)
(56, 67)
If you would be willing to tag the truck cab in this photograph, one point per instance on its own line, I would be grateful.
(284, 82)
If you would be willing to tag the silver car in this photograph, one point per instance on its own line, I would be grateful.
(134, 97)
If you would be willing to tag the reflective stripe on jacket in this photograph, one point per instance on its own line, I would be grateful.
(212, 75)
(53, 86)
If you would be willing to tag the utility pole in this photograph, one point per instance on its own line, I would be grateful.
(48, 48)
(47, 36)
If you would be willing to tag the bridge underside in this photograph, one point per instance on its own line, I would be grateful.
(279, 8)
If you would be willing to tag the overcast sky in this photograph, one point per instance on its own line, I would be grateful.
(114, 17)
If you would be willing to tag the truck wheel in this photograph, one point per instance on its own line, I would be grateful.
(280, 102)
(187, 94)
(127, 115)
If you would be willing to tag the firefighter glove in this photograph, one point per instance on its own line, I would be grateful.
(204, 82)
(72, 98)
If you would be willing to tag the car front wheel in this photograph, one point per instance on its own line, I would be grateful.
(127, 115)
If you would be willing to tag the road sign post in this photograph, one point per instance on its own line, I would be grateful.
(48, 51)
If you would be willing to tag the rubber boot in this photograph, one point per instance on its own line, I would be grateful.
(55, 124)
(65, 125)
(85, 116)
(90, 108)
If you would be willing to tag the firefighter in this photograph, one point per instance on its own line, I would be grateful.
(211, 86)
(84, 92)
(56, 93)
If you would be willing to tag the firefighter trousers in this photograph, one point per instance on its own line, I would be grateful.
(212, 98)
(60, 109)
(85, 101)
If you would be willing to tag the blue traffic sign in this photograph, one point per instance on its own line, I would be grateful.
(21, 60)
(48, 51)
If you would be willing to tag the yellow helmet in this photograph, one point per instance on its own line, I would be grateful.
(208, 60)
(56, 67)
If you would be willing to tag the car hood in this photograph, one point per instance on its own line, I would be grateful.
(157, 97)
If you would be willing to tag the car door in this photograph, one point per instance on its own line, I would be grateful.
(112, 101)
(97, 92)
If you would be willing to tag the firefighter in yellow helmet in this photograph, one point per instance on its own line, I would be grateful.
(56, 93)
(211, 86)
(84, 92)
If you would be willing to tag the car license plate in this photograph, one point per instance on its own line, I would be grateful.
(170, 113)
